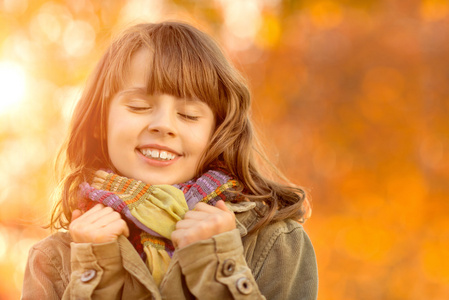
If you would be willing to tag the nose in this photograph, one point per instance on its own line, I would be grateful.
(162, 122)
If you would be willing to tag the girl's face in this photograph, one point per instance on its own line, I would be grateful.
(158, 139)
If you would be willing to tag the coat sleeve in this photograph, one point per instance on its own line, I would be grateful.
(43, 279)
(286, 266)
(97, 272)
(57, 270)
(216, 269)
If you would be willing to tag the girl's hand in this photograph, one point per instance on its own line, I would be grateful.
(202, 223)
(100, 224)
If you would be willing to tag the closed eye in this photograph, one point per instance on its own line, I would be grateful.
(188, 117)
(138, 108)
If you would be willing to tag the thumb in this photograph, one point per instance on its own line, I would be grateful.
(126, 231)
(76, 214)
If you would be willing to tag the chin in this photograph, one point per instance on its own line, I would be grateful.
(157, 181)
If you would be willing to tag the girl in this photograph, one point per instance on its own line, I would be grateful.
(162, 197)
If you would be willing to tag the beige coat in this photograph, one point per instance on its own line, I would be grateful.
(277, 262)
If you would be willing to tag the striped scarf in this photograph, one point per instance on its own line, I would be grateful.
(152, 211)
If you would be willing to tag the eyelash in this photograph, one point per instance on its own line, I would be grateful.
(188, 117)
(138, 108)
(144, 108)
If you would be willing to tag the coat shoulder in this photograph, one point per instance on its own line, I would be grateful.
(277, 237)
(286, 232)
(53, 251)
(56, 242)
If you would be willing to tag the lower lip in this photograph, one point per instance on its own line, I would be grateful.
(157, 163)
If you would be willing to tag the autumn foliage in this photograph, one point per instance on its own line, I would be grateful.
(351, 98)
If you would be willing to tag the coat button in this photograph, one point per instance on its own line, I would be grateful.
(228, 267)
(88, 275)
(244, 286)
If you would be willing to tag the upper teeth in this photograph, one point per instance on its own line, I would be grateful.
(153, 153)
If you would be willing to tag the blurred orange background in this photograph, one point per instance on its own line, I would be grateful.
(352, 98)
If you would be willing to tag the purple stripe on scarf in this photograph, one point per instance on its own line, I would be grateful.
(113, 201)
(194, 191)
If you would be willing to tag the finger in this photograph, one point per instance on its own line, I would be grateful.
(182, 238)
(111, 232)
(126, 230)
(201, 206)
(222, 206)
(175, 237)
(186, 223)
(94, 209)
(76, 214)
(96, 215)
(122, 227)
(196, 215)
(105, 219)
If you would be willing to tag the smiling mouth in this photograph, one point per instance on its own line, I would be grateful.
(158, 154)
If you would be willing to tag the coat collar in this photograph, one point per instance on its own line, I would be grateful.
(246, 215)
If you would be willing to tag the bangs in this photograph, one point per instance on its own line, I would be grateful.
(181, 67)
(185, 63)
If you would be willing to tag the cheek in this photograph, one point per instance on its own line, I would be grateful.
(204, 147)
(119, 138)
(202, 137)
(121, 125)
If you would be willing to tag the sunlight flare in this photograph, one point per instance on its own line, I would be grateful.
(12, 85)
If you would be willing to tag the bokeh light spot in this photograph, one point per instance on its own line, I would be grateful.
(3, 243)
(243, 18)
(12, 85)
(434, 10)
(269, 33)
(79, 38)
(15, 6)
(148, 10)
(48, 26)
(326, 14)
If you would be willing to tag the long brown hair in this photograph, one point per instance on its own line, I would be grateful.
(186, 63)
